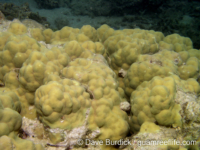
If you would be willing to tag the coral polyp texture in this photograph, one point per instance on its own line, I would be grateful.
(60, 87)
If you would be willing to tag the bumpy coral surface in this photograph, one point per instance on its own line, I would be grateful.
(59, 90)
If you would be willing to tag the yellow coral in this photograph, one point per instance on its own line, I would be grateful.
(48, 35)
(41, 64)
(15, 53)
(59, 104)
(180, 43)
(76, 78)
(154, 101)
(17, 28)
(90, 32)
(37, 34)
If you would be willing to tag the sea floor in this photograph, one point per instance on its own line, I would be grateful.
(68, 18)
